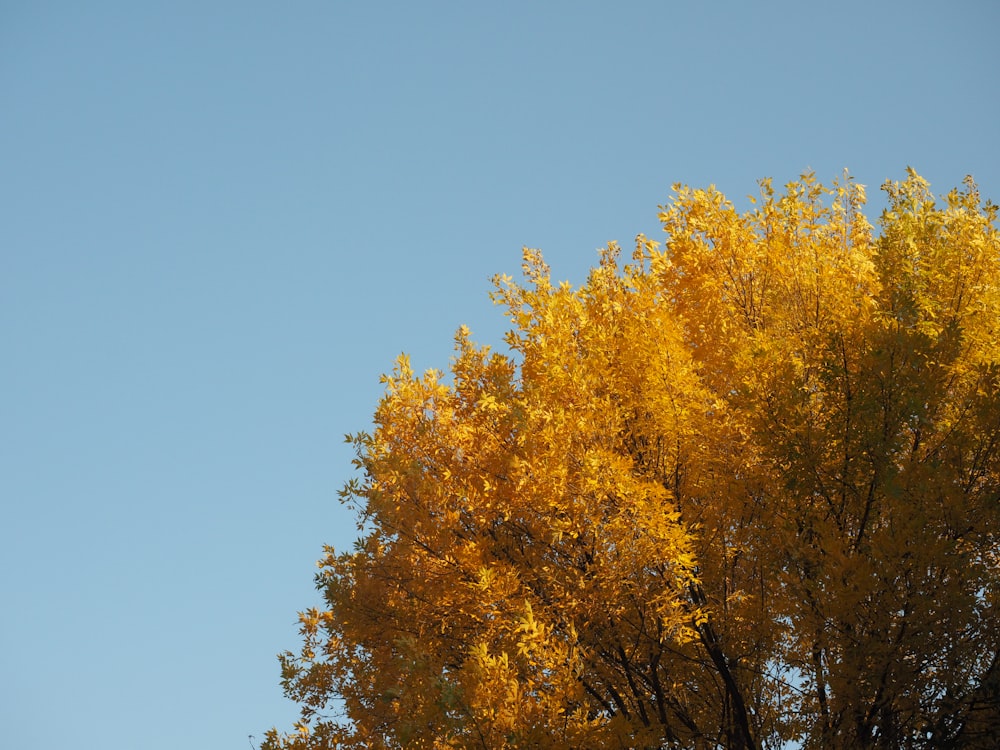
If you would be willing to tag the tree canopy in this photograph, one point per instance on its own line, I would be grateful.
(741, 490)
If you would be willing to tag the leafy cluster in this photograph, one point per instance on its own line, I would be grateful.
(740, 491)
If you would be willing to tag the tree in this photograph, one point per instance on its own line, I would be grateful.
(741, 491)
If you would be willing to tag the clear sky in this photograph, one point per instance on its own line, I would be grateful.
(221, 221)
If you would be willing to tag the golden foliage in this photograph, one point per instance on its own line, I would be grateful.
(741, 491)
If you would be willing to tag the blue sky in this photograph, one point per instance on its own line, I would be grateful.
(220, 222)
